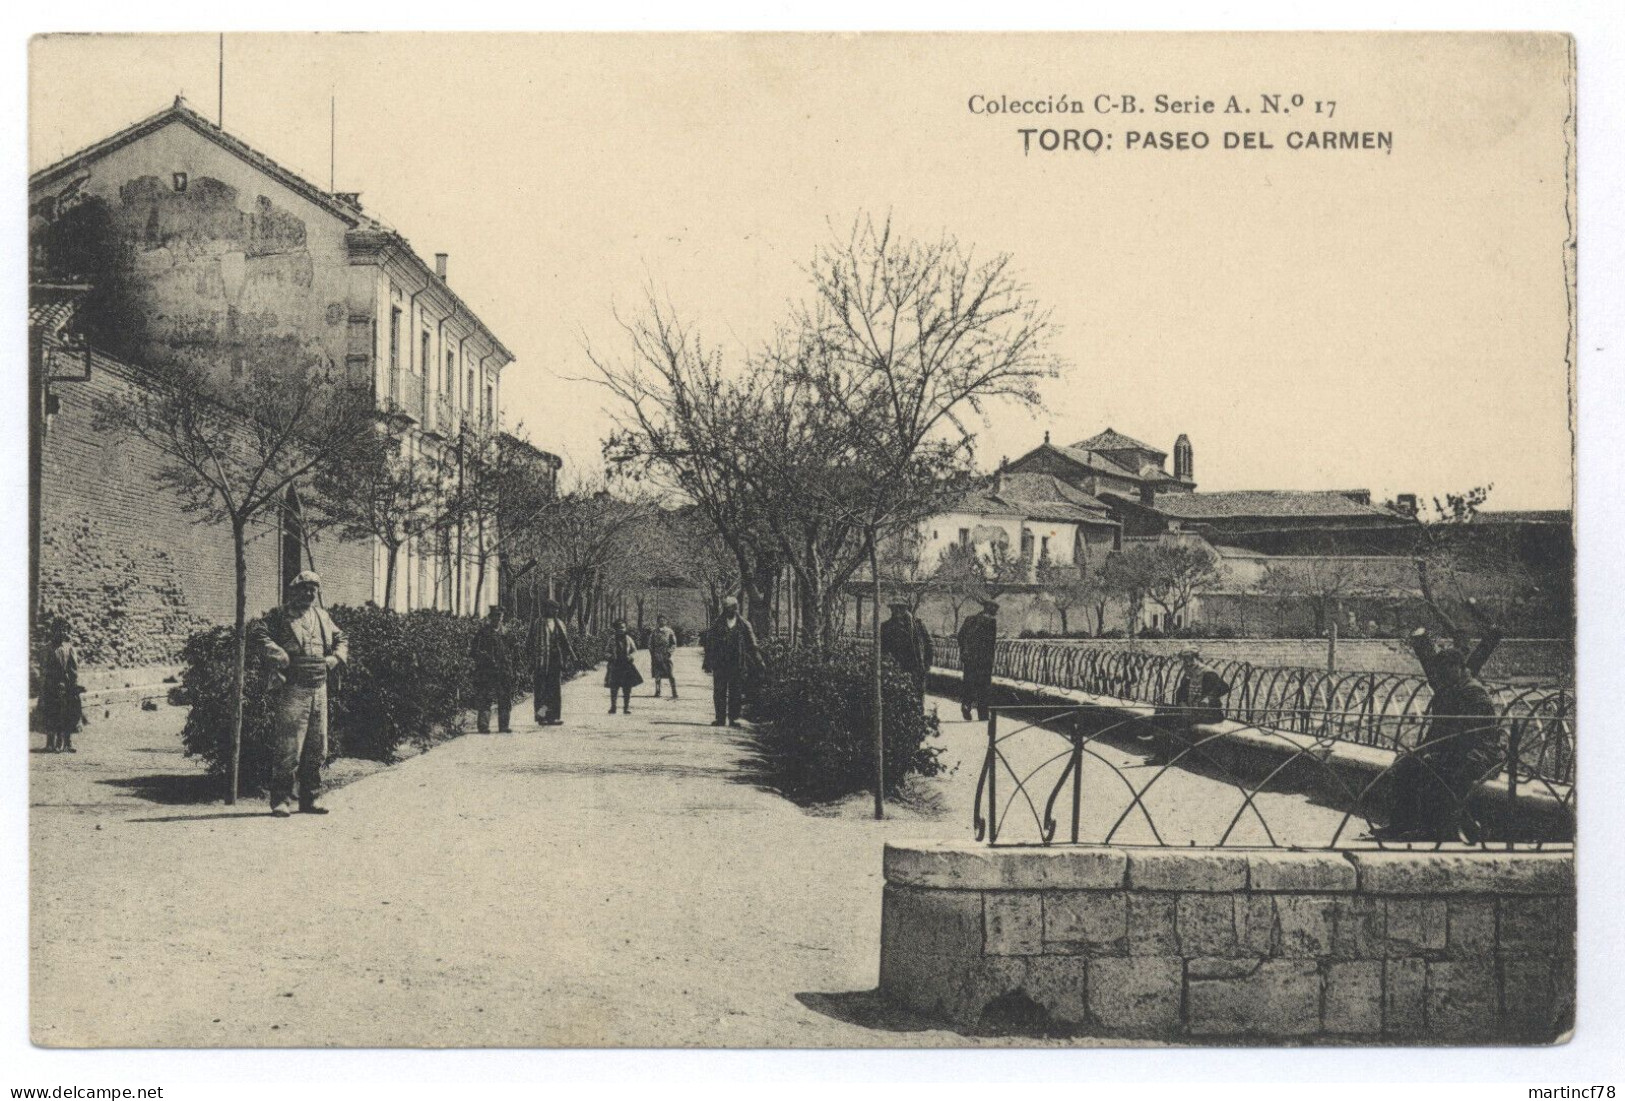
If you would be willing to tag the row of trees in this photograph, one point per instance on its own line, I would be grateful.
(1168, 575)
(848, 424)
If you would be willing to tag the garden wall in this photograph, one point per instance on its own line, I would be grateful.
(1226, 945)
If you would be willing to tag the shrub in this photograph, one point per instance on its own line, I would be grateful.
(813, 711)
(1151, 632)
(205, 685)
(589, 650)
(1113, 632)
(409, 678)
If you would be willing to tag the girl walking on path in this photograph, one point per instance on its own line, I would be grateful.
(622, 673)
(661, 643)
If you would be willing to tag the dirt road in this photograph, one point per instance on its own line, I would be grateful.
(614, 881)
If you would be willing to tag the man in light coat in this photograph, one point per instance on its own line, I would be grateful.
(303, 645)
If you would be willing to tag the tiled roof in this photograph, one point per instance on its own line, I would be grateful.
(1113, 440)
(1266, 504)
(1098, 463)
(1033, 496)
(51, 314)
(180, 112)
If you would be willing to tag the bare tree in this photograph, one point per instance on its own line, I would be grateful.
(1072, 586)
(1326, 582)
(913, 338)
(1128, 575)
(397, 486)
(697, 431)
(503, 490)
(230, 456)
(1177, 573)
(959, 577)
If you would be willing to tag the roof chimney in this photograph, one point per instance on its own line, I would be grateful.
(440, 259)
(998, 479)
(1046, 437)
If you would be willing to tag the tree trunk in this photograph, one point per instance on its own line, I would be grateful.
(874, 650)
(759, 589)
(239, 550)
(392, 552)
(1064, 627)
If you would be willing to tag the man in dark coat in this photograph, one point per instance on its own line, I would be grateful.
(1198, 698)
(905, 640)
(731, 657)
(61, 702)
(548, 652)
(493, 672)
(1460, 748)
(303, 645)
(978, 642)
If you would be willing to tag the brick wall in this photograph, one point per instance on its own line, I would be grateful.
(1218, 945)
(132, 572)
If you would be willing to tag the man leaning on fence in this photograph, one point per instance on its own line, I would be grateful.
(978, 642)
(303, 645)
(1198, 698)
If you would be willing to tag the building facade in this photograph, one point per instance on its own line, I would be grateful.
(182, 246)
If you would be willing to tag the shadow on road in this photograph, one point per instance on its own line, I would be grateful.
(207, 817)
(169, 788)
(1014, 1015)
(867, 1009)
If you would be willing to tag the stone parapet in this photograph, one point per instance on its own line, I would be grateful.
(1235, 945)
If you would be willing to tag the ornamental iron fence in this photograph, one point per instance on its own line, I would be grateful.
(1434, 793)
(1382, 710)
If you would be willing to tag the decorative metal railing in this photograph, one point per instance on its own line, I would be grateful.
(1068, 774)
(1383, 710)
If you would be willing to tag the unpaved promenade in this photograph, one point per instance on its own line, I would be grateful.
(620, 880)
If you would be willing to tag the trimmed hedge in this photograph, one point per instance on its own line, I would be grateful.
(409, 680)
(813, 711)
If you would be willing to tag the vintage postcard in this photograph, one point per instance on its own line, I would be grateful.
(801, 540)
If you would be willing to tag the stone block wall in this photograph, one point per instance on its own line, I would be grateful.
(1205, 945)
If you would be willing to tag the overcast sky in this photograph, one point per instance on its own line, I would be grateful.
(1311, 319)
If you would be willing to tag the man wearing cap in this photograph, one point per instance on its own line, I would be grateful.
(905, 640)
(548, 651)
(1198, 698)
(978, 642)
(302, 645)
(731, 657)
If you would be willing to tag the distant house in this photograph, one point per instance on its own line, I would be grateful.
(1037, 519)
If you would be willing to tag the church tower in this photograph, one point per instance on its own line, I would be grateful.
(1184, 461)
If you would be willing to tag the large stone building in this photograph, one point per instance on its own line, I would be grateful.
(1110, 462)
(174, 243)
